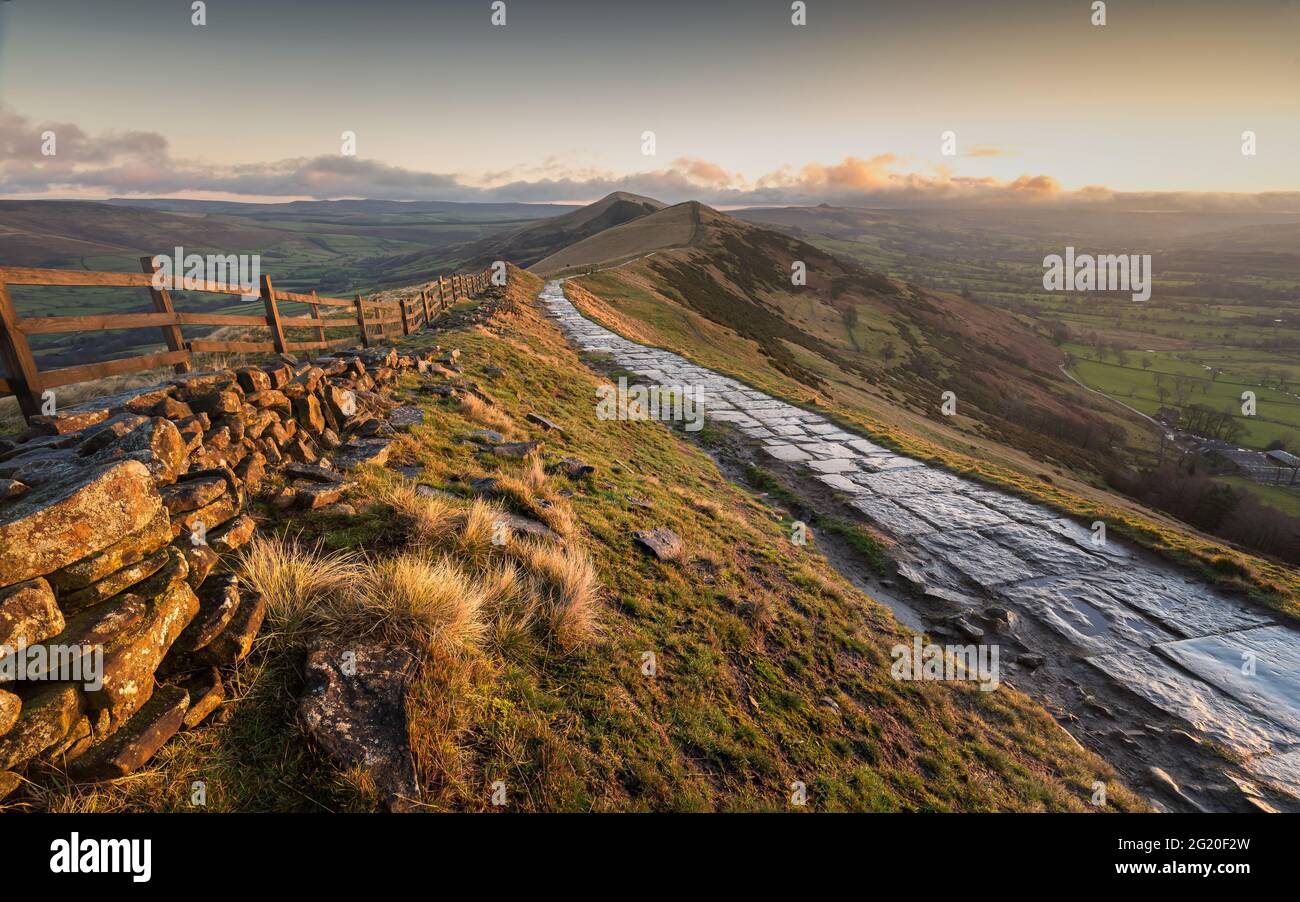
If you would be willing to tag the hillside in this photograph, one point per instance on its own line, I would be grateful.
(768, 668)
(849, 335)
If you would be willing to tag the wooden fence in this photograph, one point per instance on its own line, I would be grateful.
(368, 320)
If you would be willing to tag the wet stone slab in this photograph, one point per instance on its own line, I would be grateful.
(787, 453)
(1259, 668)
(911, 480)
(1088, 617)
(1280, 771)
(1187, 607)
(1008, 505)
(1084, 537)
(1044, 550)
(890, 517)
(981, 560)
(1198, 704)
(949, 510)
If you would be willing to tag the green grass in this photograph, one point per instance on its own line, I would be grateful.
(771, 668)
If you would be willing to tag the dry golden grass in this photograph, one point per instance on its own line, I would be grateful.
(409, 596)
(293, 579)
(567, 588)
(478, 410)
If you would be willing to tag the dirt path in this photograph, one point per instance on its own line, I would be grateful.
(1145, 664)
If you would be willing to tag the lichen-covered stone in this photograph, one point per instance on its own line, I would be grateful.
(356, 712)
(49, 712)
(206, 693)
(137, 740)
(236, 640)
(191, 494)
(57, 524)
(131, 659)
(114, 583)
(218, 603)
(28, 614)
(128, 550)
(10, 706)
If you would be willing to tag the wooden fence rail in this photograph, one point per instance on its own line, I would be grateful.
(367, 319)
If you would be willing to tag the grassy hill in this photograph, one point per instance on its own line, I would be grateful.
(878, 354)
(770, 668)
(1225, 306)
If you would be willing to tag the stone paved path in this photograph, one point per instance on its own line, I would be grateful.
(1168, 637)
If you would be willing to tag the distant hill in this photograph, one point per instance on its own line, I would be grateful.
(694, 279)
(668, 227)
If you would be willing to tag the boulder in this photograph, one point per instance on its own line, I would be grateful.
(662, 542)
(515, 449)
(201, 559)
(358, 451)
(354, 707)
(58, 524)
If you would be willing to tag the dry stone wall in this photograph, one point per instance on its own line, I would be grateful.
(118, 607)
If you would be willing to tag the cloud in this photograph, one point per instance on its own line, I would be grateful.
(140, 163)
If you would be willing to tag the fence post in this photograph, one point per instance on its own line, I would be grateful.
(424, 299)
(442, 296)
(406, 320)
(361, 323)
(273, 315)
(20, 366)
(315, 312)
(162, 302)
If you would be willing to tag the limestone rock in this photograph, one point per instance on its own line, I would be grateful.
(662, 542)
(48, 714)
(11, 488)
(357, 714)
(137, 740)
(57, 524)
(28, 614)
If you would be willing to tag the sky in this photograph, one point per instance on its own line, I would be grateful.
(745, 106)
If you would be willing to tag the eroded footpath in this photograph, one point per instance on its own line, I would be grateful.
(1167, 672)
